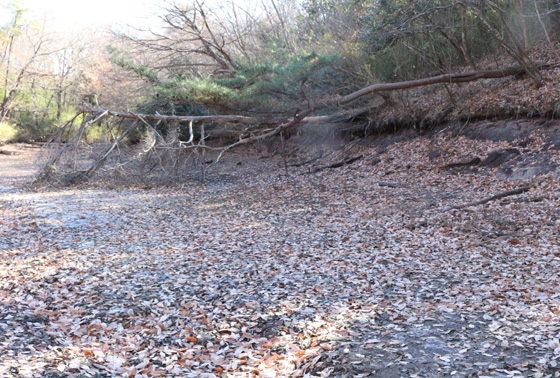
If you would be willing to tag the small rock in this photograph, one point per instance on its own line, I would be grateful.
(432, 155)
(374, 161)
(497, 158)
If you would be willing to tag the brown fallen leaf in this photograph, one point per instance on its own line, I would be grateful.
(326, 347)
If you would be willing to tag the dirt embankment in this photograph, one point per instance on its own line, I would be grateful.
(510, 97)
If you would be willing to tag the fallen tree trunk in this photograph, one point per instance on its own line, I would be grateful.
(440, 79)
(175, 118)
(334, 118)
(303, 116)
(384, 87)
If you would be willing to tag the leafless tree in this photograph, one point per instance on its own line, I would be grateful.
(507, 36)
(190, 39)
(22, 49)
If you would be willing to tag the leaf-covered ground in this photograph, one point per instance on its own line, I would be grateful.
(373, 269)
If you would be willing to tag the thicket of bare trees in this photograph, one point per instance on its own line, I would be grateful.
(43, 74)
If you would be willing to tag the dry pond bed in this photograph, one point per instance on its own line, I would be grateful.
(391, 266)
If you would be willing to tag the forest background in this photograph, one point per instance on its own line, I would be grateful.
(271, 58)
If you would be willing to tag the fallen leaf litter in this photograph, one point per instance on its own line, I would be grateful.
(306, 275)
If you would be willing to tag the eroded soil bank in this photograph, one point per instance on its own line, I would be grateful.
(436, 256)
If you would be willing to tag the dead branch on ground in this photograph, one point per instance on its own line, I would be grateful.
(338, 164)
(498, 196)
(6, 152)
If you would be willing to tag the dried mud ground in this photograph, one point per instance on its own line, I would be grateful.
(386, 267)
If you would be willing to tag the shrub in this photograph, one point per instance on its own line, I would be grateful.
(8, 132)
